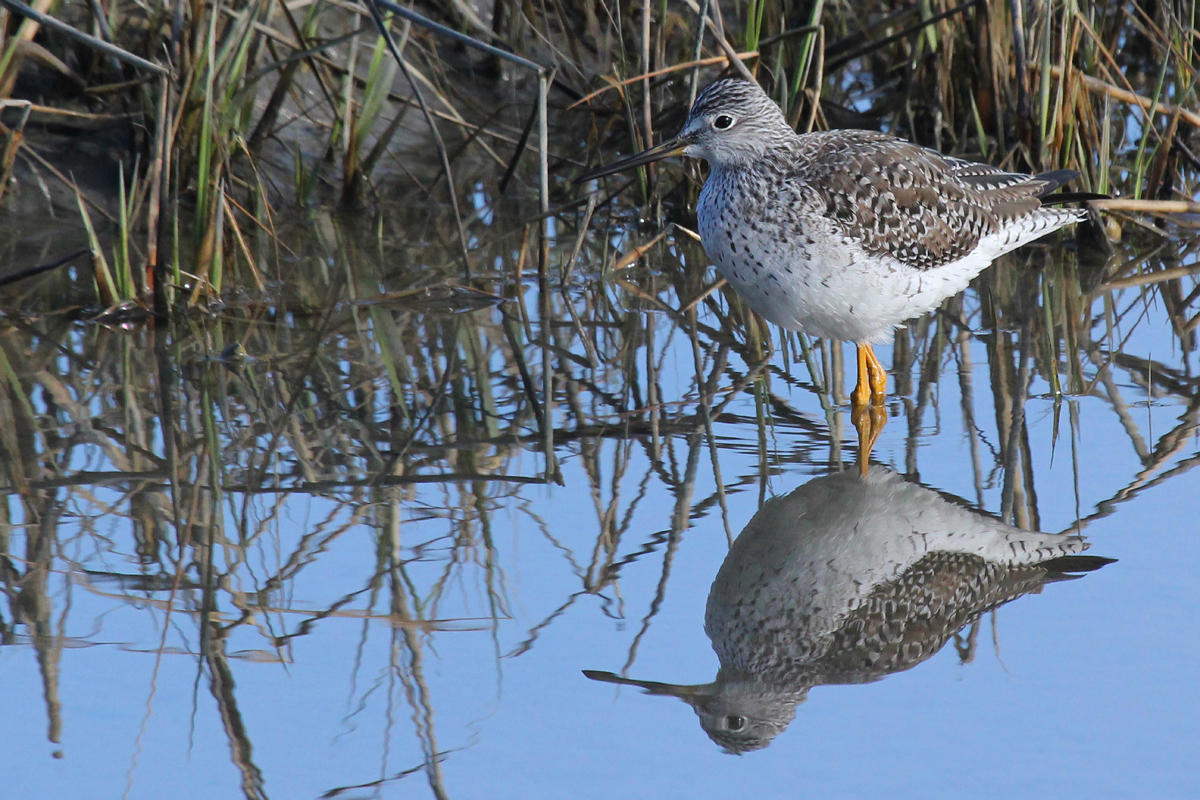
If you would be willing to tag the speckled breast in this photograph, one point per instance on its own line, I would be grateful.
(797, 269)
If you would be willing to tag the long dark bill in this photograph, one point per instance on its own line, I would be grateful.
(671, 147)
(651, 687)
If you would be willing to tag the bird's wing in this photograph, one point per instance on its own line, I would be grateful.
(907, 202)
(905, 621)
(993, 179)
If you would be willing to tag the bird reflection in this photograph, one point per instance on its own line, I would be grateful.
(847, 580)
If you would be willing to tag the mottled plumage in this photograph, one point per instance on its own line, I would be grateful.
(846, 234)
(847, 580)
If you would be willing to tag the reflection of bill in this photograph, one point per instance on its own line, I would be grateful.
(846, 580)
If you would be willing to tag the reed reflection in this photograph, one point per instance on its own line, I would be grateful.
(847, 580)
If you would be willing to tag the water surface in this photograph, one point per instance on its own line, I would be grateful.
(352, 539)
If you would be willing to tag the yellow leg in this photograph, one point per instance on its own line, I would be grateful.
(867, 410)
(862, 391)
(877, 375)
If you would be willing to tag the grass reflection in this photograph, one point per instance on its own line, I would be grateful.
(202, 475)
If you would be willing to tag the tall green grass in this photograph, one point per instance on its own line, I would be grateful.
(260, 112)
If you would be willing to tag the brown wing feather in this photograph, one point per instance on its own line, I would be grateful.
(911, 203)
(905, 621)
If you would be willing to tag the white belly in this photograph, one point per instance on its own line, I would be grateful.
(812, 278)
(826, 285)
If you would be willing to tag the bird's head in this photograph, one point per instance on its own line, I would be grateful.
(732, 124)
(740, 714)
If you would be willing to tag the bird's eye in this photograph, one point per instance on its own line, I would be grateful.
(735, 722)
(723, 122)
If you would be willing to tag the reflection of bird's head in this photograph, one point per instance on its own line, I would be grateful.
(743, 716)
(739, 715)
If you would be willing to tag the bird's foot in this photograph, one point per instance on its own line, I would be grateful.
(873, 371)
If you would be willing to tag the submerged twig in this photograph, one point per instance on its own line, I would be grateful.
(29, 272)
(47, 21)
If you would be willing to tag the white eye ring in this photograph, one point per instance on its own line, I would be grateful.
(722, 122)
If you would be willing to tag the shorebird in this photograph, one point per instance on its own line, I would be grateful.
(847, 234)
(847, 580)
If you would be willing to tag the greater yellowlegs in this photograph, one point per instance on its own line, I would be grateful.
(848, 580)
(847, 234)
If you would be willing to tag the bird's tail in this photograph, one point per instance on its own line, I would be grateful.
(1075, 564)
(1056, 179)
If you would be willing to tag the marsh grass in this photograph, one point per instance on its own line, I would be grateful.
(400, 305)
(238, 113)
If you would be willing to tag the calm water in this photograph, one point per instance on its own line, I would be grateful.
(363, 556)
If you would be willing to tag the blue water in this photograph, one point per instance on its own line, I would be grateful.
(1086, 689)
